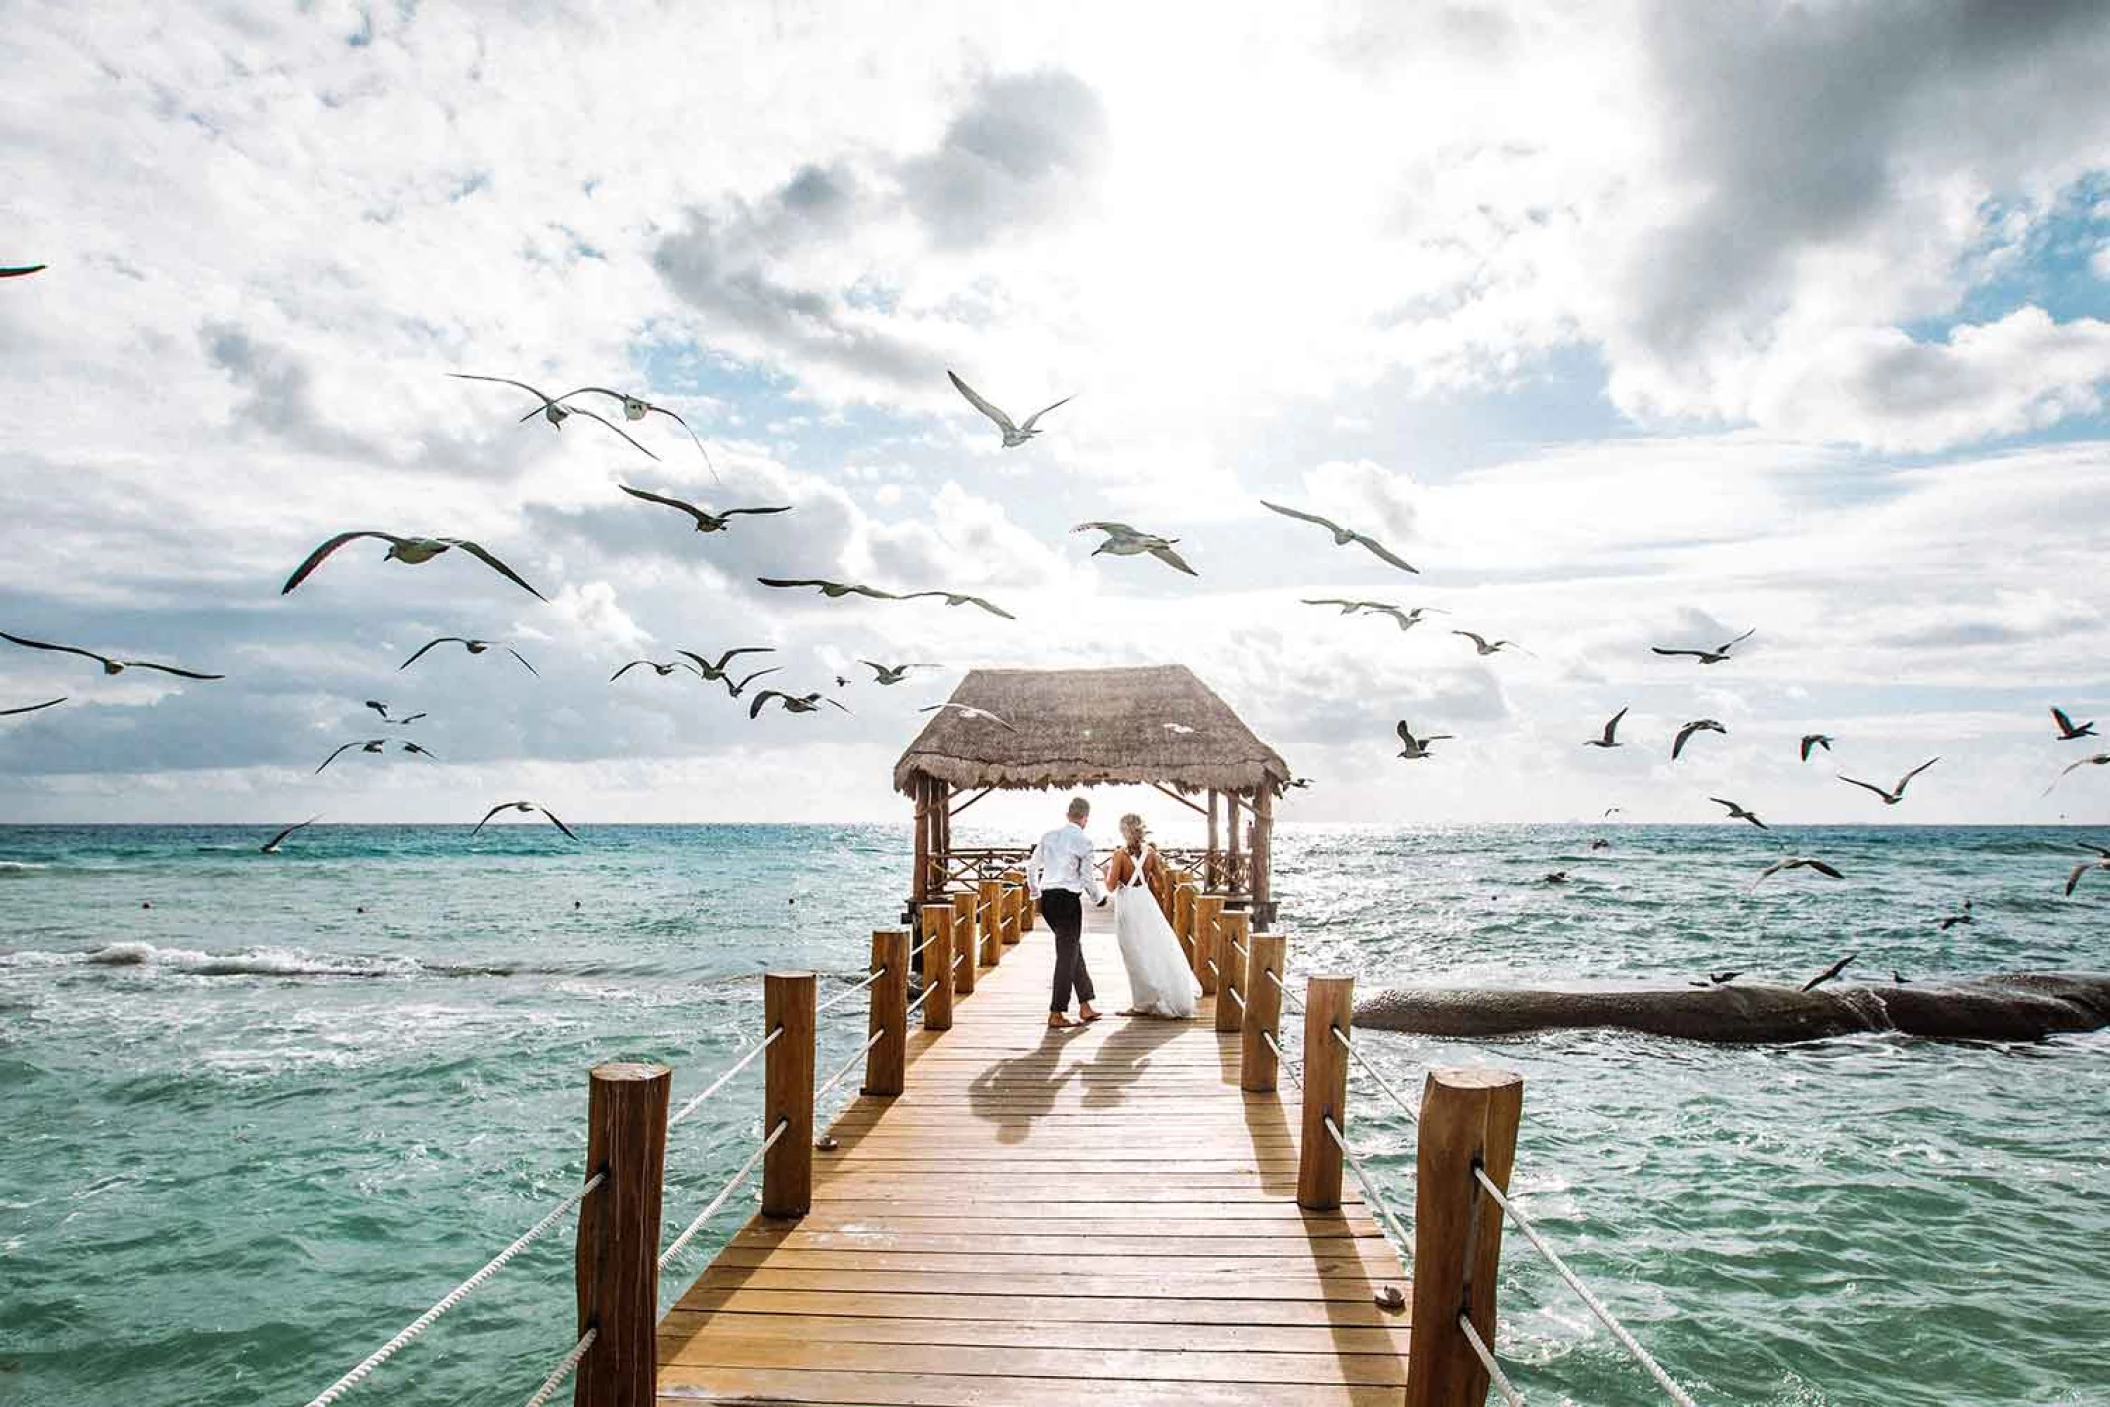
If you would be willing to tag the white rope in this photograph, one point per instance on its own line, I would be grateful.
(1213, 967)
(563, 1370)
(724, 1193)
(1235, 995)
(1242, 950)
(741, 1064)
(452, 1298)
(850, 1064)
(848, 992)
(1413, 1114)
(1295, 1004)
(1370, 1190)
(1626, 1340)
(917, 1004)
(1287, 1065)
(1487, 1361)
(917, 951)
(958, 958)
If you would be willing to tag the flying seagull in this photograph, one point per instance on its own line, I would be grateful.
(662, 670)
(734, 690)
(1406, 620)
(967, 711)
(634, 408)
(2100, 759)
(381, 708)
(894, 673)
(1343, 536)
(522, 806)
(374, 745)
(32, 708)
(270, 847)
(1828, 974)
(2068, 729)
(474, 647)
(1949, 921)
(1719, 979)
(1698, 725)
(1714, 656)
(1298, 783)
(1797, 862)
(21, 270)
(2084, 867)
(1014, 435)
(715, 669)
(1815, 740)
(110, 666)
(1125, 541)
(1897, 793)
(706, 521)
(1610, 738)
(793, 703)
(833, 590)
(1415, 749)
(1738, 813)
(959, 598)
(556, 414)
(1611, 811)
(411, 551)
(1480, 643)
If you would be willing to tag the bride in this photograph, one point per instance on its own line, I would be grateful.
(1160, 982)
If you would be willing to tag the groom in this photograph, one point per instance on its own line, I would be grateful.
(1060, 874)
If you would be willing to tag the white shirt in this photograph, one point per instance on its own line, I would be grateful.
(1063, 860)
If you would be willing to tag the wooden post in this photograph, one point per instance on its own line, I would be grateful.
(1329, 1006)
(887, 1062)
(919, 885)
(1183, 899)
(1025, 907)
(937, 966)
(1263, 1014)
(963, 936)
(1264, 858)
(990, 921)
(1014, 913)
(1468, 1116)
(941, 838)
(787, 1077)
(617, 1264)
(1230, 965)
(1208, 913)
(1209, 868)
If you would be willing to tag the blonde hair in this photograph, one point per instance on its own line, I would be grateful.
(1135, 822)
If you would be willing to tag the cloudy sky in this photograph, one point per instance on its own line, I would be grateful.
(1628, 324)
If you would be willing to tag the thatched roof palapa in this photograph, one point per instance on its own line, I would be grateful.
(1081, 727)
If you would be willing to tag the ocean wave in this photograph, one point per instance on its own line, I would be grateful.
(269, 962)
(13, 869)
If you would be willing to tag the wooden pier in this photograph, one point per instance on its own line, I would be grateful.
(1045, 1217)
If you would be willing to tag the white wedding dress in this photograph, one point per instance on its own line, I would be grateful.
(1160, 983)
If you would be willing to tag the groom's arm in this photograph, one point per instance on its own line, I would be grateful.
(1033, 863)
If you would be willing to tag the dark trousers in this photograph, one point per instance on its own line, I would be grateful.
(1064, 912)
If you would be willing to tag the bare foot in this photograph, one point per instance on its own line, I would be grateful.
(1085, 1014)
(1058, 1022)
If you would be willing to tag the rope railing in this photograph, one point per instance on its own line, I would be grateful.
(848, 992)
(1296, 1003)
(850, 1064)
(741, 1064)
(1283, 1062)
(1413, 1114)
(452, 1298)
(917, 1004)
(724, 1194)
(1619, 1332)
(563, 1370)
(1370, 1188)
(1501, 1380)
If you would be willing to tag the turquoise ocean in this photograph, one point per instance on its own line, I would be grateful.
(251, 1131)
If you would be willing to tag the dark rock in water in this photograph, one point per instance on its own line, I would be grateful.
(2021, 1006)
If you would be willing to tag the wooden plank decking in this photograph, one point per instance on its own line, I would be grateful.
(1049, 1218)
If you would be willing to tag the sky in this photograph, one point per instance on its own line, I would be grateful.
(1628, 324)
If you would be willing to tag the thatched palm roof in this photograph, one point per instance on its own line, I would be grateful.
(1077, 727)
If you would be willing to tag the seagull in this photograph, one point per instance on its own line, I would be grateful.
(1714, 656)
(1897, 793)
(372, 745)
(1610, 738)
(2068, 729)
(967, 711)
(2100, 759)
(892, 673)
(1815, 740)
(662, 670)
(1721, 979)
(957, 598)
(715, 669)
(409, 550)
(634, 408)
(21, 270)
(554, 413)
(522, 806)
(1407, 620)
(1415, 749)
(1949, 921)
(474, 647)
(1828, 974)
(1611, 811)
(270, 847)
(833, 590)
(1298, 783)
(1125, 541)
(2084, 867)
(1480, 643)
(1738, 813)
(32, 708)
(1183, 729)
(735, 690)
(842, 681)
(706, 521)
(793, 703)
(1014, 435)
(1900, 978)
(381, 708)
(110, 666)
(1343, 536)
(1798, 862)
(1698, 725)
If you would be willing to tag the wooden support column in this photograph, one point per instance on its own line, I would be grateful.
(1264, 858)
(1329, 1007)
(1208, 915)
(919, 883)
(887, 1062)
(1263, 1014)
(787, 1078)
(941, 839)
(963, 935)
(1211, 870)
(1468, 1117)
(989, 918)
(937, 966)
(1230, 965)
(617, 1263)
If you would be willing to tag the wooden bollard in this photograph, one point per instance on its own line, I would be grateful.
(1263, 1014)
(1468, 1116)
(1208, 916)
(963, 937)
(1183, 913)
(937, 967)
(1014, 913)
(1329, 1006)
(989, 918)
(886, 1063)
(787, 1079)
(1234, 928)
(617, 1265)
(1025, 907)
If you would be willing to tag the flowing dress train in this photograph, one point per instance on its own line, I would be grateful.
(1160, 982)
